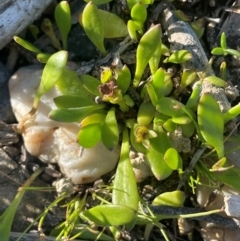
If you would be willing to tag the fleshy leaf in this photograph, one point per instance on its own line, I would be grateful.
(175, 199)
(43, 57)
(124, 79)
(145, 50)
(155, 155)
(62, 16)
(93, 26)
(158, 80)
(73, 115)
(217, 51)
(198, 27)
(27, 45)
(216, 81)
(125, 191)
(211, 130)
(138, 146)
(114, 27)
(139, 14)
(98, 1)
(110, 132)
(188, 129)
(72, 101)
(233, 52)
(181, 120)
(93, 119)
(155, 59)
(169, 106)
(179, 57)
(51, 73)
(231, 113)
(195, 95)
(90, 135)
(152, 93)
(146, 113)
(170, 126)
(91, 84)
(69, 84)
(131, 3)
(173, 159)
(188, 76)
(223, 41)
(132, 30)
(109, 215)
(34, 30)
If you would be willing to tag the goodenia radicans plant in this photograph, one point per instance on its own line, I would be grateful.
(135, 113)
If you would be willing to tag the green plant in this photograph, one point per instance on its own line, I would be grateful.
(146, 116)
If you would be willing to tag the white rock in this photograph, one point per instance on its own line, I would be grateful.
(53, 141)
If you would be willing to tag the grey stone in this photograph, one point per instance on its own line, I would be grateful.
(33, 202)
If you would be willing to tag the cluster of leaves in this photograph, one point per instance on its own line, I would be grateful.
(133, 114)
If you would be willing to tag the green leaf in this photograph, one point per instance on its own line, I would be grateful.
(179, 57)
(216, 81)
(139, 14)
(181, 120)
(217, 51)
(158, 80)
(145, 50)
(98, 1)
(51, 73)
(198, 27)
(89, 135)
(62, 16)
(173, 159)
(110, 132)
(233, 52)
(106, 75)
(93, 119)
(175, 199)
(231, 113)
(138, 146)
(73, 115)
(152, 94)
(93, 26)
(27, 45)
(155, 59)
(188, 129)
(91, 84)
(72, 101)
(132, 30)
(124, 79)
(223, 41)
(125, 191)
(169, 125)
(146, 113)
(114, 27)
(131, 3)
(195, 95)
(211, 128)
(223, 71)
(188, 76)
(182, 16)
(69, 84)
(43, 57)
(109, 215)
(155, 155)
(34, 30)
(169, 106)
